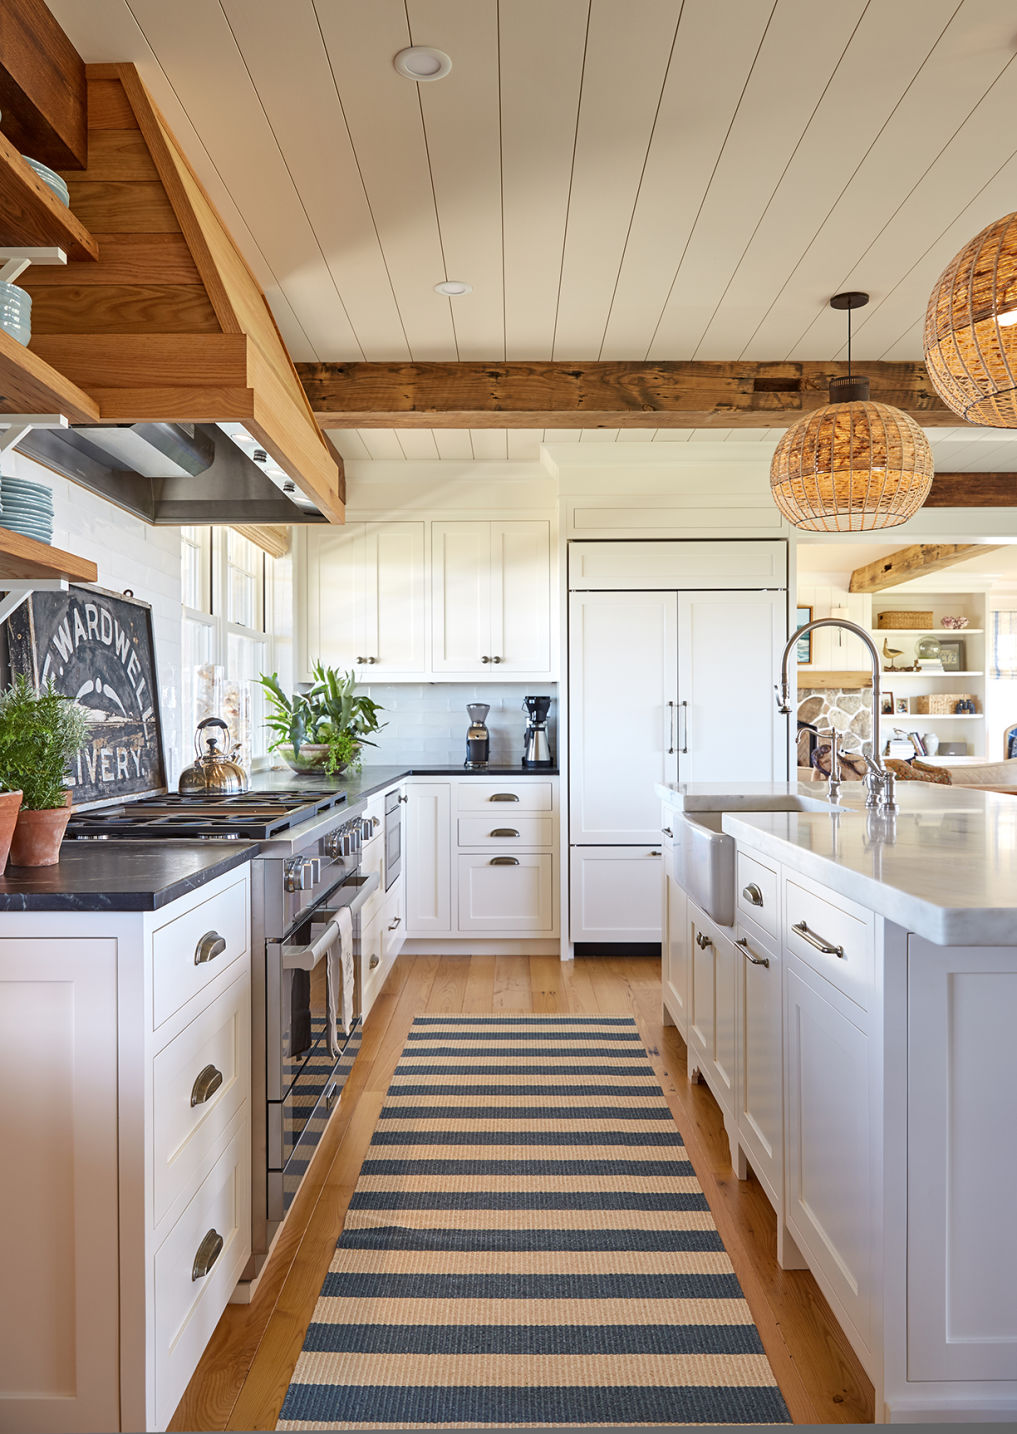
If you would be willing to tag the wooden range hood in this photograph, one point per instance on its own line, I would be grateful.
(168, 324)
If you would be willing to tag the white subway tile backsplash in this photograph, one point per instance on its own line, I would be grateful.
(427, 722)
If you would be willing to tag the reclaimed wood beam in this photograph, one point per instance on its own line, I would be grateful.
(599, 395)
(42, 86)
(821, 680)
(973, 490)
(915, 562)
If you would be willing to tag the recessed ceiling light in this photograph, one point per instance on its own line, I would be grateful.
(421, 62)
(452, 287)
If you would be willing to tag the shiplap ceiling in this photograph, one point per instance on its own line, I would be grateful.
(622, 179)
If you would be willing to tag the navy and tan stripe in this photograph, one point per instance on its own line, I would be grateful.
(528, 1244)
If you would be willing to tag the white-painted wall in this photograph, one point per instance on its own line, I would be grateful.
(129, 554)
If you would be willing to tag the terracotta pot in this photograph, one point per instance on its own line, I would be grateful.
(10, 803)
(38, 835)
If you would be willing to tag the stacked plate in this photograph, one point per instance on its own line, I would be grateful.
(27, 508)
(49, 177)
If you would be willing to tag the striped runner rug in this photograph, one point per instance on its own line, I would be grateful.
(528, 1244)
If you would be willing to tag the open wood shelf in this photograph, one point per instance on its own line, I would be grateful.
(24, 558)
(28, 384)
(927, 631)
(31, 216)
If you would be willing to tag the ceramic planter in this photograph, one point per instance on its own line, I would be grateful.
(38, 834)
(10, 804)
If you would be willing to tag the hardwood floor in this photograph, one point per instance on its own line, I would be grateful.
(242, 1378)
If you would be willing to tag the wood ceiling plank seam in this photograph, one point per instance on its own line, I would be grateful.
(681, 165)
(929, 186)
(418, 444)
(489, 444)
(827, 150)
(624, 73)
(383, 119)
(539, 111)
(297, 188)
(791, 72)
(348, 442)
(523, 444)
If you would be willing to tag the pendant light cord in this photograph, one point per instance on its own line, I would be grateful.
(849, 345)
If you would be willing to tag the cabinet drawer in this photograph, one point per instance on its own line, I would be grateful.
(757, 889)
(504, 797)
(831, 935)
(371, 859)
(187, 1309)
(188, 1117)
(507, 893)
(372, 960)
(505, 830)
(615, 893)
(178, 948)
(393, 922)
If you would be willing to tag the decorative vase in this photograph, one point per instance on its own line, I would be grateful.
(931, 743)
(38, 834)
(10, 804)
(311, 759)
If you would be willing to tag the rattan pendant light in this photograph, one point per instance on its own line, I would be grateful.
(970, 341)
(854, 464)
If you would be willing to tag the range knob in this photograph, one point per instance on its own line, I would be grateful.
(296, 873)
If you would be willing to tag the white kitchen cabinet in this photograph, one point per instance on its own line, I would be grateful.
(623, 723)
(830, 1148)
(711, 1031)
(365, 599)
(133, 1153)
(759, 1109)
(513, 893)
(491, 599)
(672, 565)
(428, 869)
(615, 893)
(675, 957)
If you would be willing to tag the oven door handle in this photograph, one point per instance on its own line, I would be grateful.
(305, 958)
(363, 885)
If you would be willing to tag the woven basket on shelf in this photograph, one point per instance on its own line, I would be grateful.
(941, 704)
(904, 619)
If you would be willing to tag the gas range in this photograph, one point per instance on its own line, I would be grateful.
(254, 815)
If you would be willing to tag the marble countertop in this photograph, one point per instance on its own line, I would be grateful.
(944, 866)
(120, 875)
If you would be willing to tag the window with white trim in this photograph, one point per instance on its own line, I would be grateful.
(235, 602)
(1003, 661)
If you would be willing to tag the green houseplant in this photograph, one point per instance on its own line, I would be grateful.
(325, 728)
(40, 731)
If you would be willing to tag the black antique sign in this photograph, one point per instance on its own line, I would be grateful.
(97, 647)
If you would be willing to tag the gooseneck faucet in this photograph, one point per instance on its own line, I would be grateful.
(879, 782)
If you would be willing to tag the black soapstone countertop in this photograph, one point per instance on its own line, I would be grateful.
(360, 785)
(120, 875)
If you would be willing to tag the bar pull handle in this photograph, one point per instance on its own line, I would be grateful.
(503, 797)
(817, 941)
(504, 861)
(752, 894)
(504, 832)
(208, 1252)
(684, 727)
(331, 1095)
(756, 960)
(667, 831)
(702, 940)
(670, 729)
(209, 947)
(206, 1083)
(393, 924)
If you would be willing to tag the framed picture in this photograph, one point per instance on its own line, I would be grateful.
(886, 704)
(901, 707)
(802, 616)
(952, 654)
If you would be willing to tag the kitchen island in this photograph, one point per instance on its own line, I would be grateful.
(846, 983)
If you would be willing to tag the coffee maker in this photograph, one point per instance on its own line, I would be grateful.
(536, 747)
(478, 739)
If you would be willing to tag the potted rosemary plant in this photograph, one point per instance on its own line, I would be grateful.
(40, 731)
(325, 728)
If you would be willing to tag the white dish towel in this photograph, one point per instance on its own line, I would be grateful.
(339, 979)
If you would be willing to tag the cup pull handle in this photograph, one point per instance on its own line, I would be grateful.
(817, 941)
(667, 831)
(208, 1252)
(504, 861)
(504, 832)
(209, 947)
(503, 797)
(206, 1083)
(374, 961)
(756, 960)
(753, 894)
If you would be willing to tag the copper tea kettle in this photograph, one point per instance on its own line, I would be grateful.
(213, 774)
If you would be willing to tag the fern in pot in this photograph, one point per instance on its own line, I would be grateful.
(40, 731)
(325, 728)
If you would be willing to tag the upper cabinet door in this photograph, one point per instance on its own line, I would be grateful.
(491, 598)
(729, 647)
(390, 599)
(623, 728)
(332, 606)
(696, 565)
(521, 596)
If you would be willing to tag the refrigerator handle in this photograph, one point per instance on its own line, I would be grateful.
(684, 729)
(670, 728)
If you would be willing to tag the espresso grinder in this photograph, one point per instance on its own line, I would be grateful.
(478, 739)
(536, 747)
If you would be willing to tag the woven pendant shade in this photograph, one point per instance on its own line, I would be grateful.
(972, 357)
(850, 467)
